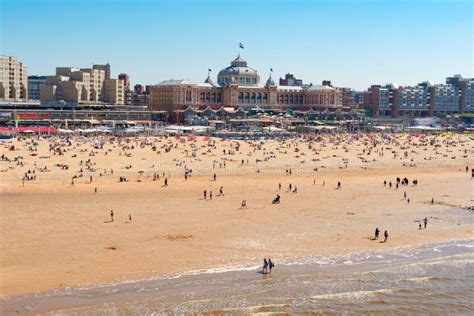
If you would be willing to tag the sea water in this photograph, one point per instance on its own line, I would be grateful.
(433, 279)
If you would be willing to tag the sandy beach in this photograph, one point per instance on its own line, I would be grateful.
(57, 231)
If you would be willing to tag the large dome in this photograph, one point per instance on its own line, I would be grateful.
(238, 69)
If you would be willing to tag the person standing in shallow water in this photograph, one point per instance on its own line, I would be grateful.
(385, 234)
(265, 265)
(270, 265)
(377, 231)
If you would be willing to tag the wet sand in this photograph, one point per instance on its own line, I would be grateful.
(56, 235)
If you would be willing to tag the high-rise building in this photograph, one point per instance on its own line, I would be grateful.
(378, 99)
(291, 81)
(327, 83)
(444, 99)
(347, 97)
(13, 79)
(105, 68)
(410, 101)
(424, 99)
(466, 89)
(81, 85)
(35, 83)
(359, 98)
(138, 88)
(126, 80)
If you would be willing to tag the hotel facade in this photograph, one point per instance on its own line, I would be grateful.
(238, 86)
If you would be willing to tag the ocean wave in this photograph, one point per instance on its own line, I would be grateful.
(352, 295)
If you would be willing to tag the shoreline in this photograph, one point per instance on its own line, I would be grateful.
(76, 298)
(320, 259)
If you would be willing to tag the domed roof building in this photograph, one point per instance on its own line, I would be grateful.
(238, 86)
(270, 82)
(240, 72)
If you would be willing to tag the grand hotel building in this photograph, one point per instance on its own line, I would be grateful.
(238, 86)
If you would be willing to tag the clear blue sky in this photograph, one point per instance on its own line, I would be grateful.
(353, 43)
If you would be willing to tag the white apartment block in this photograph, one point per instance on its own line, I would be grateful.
(83, 85)
(13, 79)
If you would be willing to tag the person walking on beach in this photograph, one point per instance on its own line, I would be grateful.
(205, 194)
(129, 217)
(338, 185)
(210, 195)
(111, 215)
(279, 186)
(425, 221)
(221, 191)
(265, 266)
(95, 190)
(377, 232)
(385, 234)
(166, 182)
(405, 195)
(215, 177)
(270, 265)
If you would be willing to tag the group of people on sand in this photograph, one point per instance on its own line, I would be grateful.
(425, 223)
(112, 214)
(377, 233)
(268, 265)
(221, 193)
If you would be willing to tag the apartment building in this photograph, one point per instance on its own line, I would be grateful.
(13, 79)
(83, 85)
(35, 83)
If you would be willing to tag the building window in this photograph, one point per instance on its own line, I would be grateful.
(259, 97)
(246, 97)
(252, 97)
(218, 98)
(241, 97)
(264, 97)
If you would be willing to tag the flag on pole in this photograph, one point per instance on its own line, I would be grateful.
(209, 69)
(241, 45)
(271, 69)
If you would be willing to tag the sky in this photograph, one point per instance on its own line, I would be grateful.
(353, 43)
